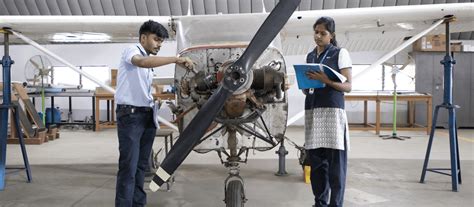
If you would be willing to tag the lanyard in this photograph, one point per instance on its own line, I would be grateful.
(311, 90)
(148, 72)
(144, 55)
(324, 56)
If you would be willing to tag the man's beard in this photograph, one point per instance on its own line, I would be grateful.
(154, 52)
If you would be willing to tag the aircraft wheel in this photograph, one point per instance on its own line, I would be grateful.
(235, 194)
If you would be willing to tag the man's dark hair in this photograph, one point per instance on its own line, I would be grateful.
(330, 26)
(152, 27)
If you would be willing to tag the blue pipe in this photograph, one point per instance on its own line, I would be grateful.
(448, 63)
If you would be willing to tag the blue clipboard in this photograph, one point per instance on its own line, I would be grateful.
(304, 82)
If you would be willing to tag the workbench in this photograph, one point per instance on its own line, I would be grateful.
(69, 95)
(103, 95)
(379, 96)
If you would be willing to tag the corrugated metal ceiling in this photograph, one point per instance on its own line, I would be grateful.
(180, 7)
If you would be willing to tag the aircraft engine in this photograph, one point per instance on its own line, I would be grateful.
(259, 106)
(268, 82)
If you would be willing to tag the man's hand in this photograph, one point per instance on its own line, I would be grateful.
(185, 62)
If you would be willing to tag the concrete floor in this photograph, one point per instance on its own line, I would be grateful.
(79, 170)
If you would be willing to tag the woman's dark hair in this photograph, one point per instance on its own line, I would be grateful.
(152, 27)
(329, 24)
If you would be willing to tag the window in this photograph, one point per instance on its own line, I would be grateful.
(67, 77)
(101, 73)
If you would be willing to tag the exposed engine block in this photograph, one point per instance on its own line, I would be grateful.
(264, 95)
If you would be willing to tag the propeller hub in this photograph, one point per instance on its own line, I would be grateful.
(236, 79)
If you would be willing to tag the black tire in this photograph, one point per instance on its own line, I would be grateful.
(235, 194)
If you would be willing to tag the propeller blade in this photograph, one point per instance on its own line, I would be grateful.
(190, 137)
(267, 32)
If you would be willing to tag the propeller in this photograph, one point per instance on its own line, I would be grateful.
(236, 77)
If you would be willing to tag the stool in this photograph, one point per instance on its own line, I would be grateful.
(167, 133)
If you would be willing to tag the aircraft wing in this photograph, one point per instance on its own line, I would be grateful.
(357, 29)
(376, 28)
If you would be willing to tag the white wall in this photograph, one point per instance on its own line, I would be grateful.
(109, 55)
(80, 55)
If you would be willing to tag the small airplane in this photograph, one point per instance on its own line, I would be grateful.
(236, 100)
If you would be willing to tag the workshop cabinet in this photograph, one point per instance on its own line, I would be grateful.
(430, 79)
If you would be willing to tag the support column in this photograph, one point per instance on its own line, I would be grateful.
(455, 170)
(5, 107)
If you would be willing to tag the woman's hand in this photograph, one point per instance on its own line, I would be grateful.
(318, 75)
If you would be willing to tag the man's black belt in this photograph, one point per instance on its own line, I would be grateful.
(134, 109)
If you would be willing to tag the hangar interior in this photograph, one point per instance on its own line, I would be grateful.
(74, 162)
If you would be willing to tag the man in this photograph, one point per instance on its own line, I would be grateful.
(135, 118)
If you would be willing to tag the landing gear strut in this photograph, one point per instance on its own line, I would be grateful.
(234, 184)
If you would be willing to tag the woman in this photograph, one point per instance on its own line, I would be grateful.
(326, 129)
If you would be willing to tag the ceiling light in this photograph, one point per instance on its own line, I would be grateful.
(80, 37)
(406, 26)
